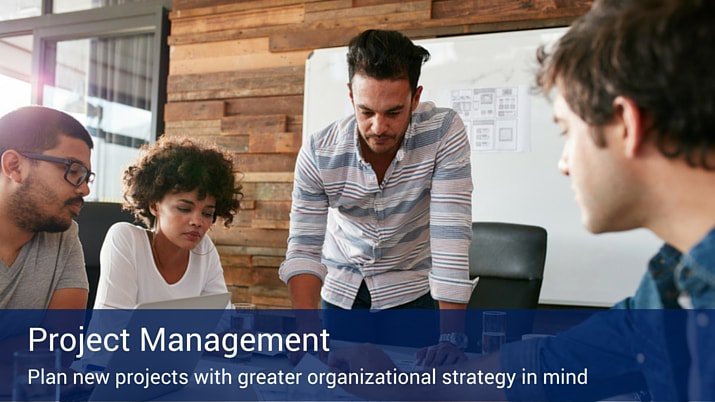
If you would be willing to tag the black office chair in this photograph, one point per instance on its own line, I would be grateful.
(94, 221)
(509, 260)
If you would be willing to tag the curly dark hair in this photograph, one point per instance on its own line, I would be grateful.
(181, 165)
(386, 55)
(658, 53)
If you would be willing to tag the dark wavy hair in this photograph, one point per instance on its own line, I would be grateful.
(181, 165)
(659, 53)
(386, 55)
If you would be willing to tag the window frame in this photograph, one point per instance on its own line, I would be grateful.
(150, 16)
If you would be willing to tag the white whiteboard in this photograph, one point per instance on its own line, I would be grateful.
(519, 187)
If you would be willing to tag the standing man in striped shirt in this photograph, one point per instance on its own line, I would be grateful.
(381, 214)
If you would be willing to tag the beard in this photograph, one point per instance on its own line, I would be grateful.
(29, 203)
(394, 139)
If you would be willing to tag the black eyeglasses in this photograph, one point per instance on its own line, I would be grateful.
(76, 173)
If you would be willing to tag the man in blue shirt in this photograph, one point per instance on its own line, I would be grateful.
(635, 100)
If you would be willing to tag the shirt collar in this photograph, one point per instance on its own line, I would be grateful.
(665, 261)
(704, 252)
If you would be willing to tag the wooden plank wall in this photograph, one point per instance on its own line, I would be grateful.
(236, 78)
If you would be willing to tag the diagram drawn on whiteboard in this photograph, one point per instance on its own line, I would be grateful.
(494, 117)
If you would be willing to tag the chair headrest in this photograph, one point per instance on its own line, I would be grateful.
(506, 250)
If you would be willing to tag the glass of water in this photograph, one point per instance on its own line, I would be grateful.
(493, 331)
(243, 320)
(35, 376)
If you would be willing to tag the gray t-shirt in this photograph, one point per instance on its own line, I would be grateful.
(48, 262)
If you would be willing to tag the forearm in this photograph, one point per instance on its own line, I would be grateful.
(305, 291)
(452, 317)
(443, 391)
(451, 220)
(69, 299)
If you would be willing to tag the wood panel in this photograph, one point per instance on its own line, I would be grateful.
(444, 13)
(327, 5)
(251, 250)
(267, 261)
(292, 104)
(382, 10)
(266, 162)
(268, 177)
(193, 127)
(274, 143)
(364, 3)
(499, 10)
(243, 219)
(238, 19)
(243, 88)
(227, 34)
(236, 143)
(279, 299)
(208, 110)
(238, 62)
(272, 210)
(273, 191)
(249, 237)
(236, 80)
(211, 7)
(253, 276)
(238, 84)
(241, 124)
(222, 80)
(232, 260)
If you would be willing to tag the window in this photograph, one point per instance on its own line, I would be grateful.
(105, 66)
(14, 9)
(15, 72)
(63, 6)
(105, 83)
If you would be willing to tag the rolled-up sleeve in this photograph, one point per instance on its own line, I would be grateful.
(451, 216)
(308, 219)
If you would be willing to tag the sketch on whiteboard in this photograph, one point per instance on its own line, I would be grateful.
(495, 118)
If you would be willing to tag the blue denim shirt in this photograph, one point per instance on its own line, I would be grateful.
(640, 343)
(671, 273)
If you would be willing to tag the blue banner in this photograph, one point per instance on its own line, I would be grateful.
(321, 355)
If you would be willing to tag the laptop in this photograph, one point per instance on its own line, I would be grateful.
(213, 308)
(204, 302)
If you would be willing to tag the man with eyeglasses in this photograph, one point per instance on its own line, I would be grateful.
(45, 162)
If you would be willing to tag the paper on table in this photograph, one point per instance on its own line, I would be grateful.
(311, 364)
(206, 365)
(270, 350)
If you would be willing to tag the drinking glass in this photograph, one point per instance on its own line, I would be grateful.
(30, 370)
(493, 331)
(243, 321)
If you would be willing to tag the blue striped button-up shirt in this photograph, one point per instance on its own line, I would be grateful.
(404, 237)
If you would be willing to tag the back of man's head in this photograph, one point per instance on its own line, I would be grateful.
(37, 129)
(659, 53)
(386, 55)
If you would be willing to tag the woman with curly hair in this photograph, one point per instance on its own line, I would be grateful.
(177, 188)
